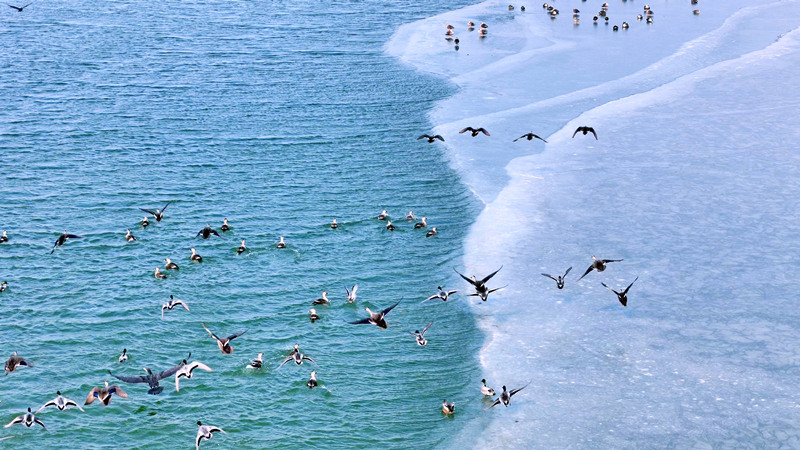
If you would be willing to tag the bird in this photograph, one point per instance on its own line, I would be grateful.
(625, 25)
(313, 316)
(312, 382)
(410, 216)
(448, 408)
(383, 215)
(297, 356)
(195, 257)
(159, 275)
(205, 432)
(4, 237)
(173, 302)
(158, 213)
(585, 131)
(19, 9)
(170, 265)
(430, 233)
(62, 239)
(129, 237)
(334, 225)
(376, 318)
(598, 265)
(442, 295)
(3, 286)
(351, 293)
(27, 419)
(207, 232)
(480, 285)
(422, 223)
(486, 390)
(145, 222)
(560, 280)
(420, 337)
(61, 403)
(389, 226)
(256, 363)
(323, 300)
(225, 226)
(696, 12)
(431, 139)
(622, 296)
(241, 248)
(530, 137)
(281, 244)
(474, 131)
(224, 344)
(187, 370)
(104, 394)
(505, 397)
(14, 362)
(151, 378)
(124, 356)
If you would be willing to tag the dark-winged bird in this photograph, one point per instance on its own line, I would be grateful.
(207, 232)
(224, 344)
(598, 265)
(530, 137)
(19, 9)
(480, 285)
(152, 378)
(560, 280)
(376, 318)
(431, 138)
(63, 238)
(622, 296)
(505, 397)
(158, 213)
(585, 131)
(474, 131)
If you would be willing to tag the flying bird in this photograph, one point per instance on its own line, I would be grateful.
(530, 137)
(207, 232)
(480, 285)
(224, 344)
(297, 356)
(420, 337)
(560, 279)
(187, 372)
(27, 419)
(585, 131)
(622, 296)
(19, 9)
(158, 213)
(151, 378)
(104, 394)
(62, 239)
(505, 397)
(430, 138)
(441, 295)
(60, 402)
(205, 432)
(598, 265)
(14, 362)
(173, 302)
(475, 131)
(351, 294)
(376, 318)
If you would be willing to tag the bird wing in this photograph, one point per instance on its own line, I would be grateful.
(550, 276)
(152, 213)
(50, 403)
(483, 130)
(216, 430)
(73, 236)
(139, 379)
(197, 440)
(426, 328)
(35, 420)
(629, 286)
(439, 137)
(496, 289)
(232, 337)
(462, 276)
(606, 286)
(605, 261)
(524, 135)
(360, 322)
(466, 129)
(212, 334)
(424, 136)
(591, 130)
(288, 358)
(199, 233)
(16, 420)
(514, 391)
(22, 362)
(308, 358)
(165, 207)
(496, 402)
(199, 365)
(180, 302)
(452, 292)
(567, 272)
(169, 372)
(386, 311)
(587, 272)
(489, 277)
(576, 131)
(355, 289)
(540, 138)
(114, 389)
(72, 403)
(90, 398)
(214, 232)
(430, 298)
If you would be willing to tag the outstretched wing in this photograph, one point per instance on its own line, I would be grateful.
(199, 365)
(39, 422)
(430, 298)
(424, 136)
(90, 398)
(169, 372)
(199, 233)
(232, 337)
(629, 286)
(114, 389)
(48, 404)
(165, 207)
(606, 286)
(576, 131)
(483, 130)
(308, 358)
(540, 138)
(567, 272)
(496, 289)
(550, 276)
(72, 403)
(426, 328)
(73, 236)
(524, 135)
(16, 420)
(439, 137)
(139, 379)
(288, 358)
(514, 391)
(591, 130)
(496, 402)
(587, 272)
(489, 277)
(462, 276)
(465, 130)
(360, 322)
(209, 332)
(152, 213)
(386, 311)
(606, 261)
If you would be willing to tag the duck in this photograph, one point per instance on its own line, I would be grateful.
(649, 20)
(151, 378)
(483, 25)
(61, 403)
(104, 394)
(159, 275)
(158, 213)
(625, 25)
(256, 363)
(696, 12)
(296, 356)
(505, 397)
(442, 295)
(170, 265)
(486, 390)
(4, 237)
(389, 226)
(241, 248)
(615, 28)
(207, 232)
(224, 344)
(432, 232)
(62, 239)
(422, 223)
(559, 280)
(145, 222)
(323, 300)
(420, 337)
(639, 17)
(195, 257)
(313, 316)
(205, 432)
(530, 136)
(448, 408)
(312, 382)
(19, 9)
(622, 296)
(410, 216)
(376, 318)
(351, 293)
(334, 225)
(225, 226)
(598, 265)
(383, 215)
(475, 131)
(480, 285)
(27, 419)
(187, 371)
(129, 237)
(124, 356)
(585, 130)
(432, 139)
(3, 286)
(173, 302)
(14, 362)
(281, 244)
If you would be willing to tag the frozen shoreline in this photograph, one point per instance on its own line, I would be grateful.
(533, 332)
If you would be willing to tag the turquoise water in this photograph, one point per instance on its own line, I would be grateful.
(279, 117)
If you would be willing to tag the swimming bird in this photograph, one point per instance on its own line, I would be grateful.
(61, 403)
(173, 302)
(448, 408)
(205, 432)
(27, 419)
(124, 356)
(129, 237)
(145, 222)
(530, 137)
(312, 382)
(474, 131)
(410, 215)
(560, 280)
(241, 248)
(313, 316)
(3, 286)
(351, 293)
(14, 362)
(256, 363)
(480, 285)
(505, 397)
(224, 344)
(422, 223)
(430, 233)
(420, 337)
(170, 265)
(225, 226)
(430, 138)
(696, 12)
(486, 390)
(389, 226)
(207, 232)
(441, 295)
(151, 378)
(376, 318)
(62, 239)
(19, 9)
(483, 25)
(159, 275)
(104, 394)
(187, 371)
(158, 213)
(585, 131)
(297, 356)
(323, 300)
(195, 257)
(281, 244)
(4, 237)
(625, 25)
(383, 215)
(334, 225)
(622, 296)
(598, 265)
